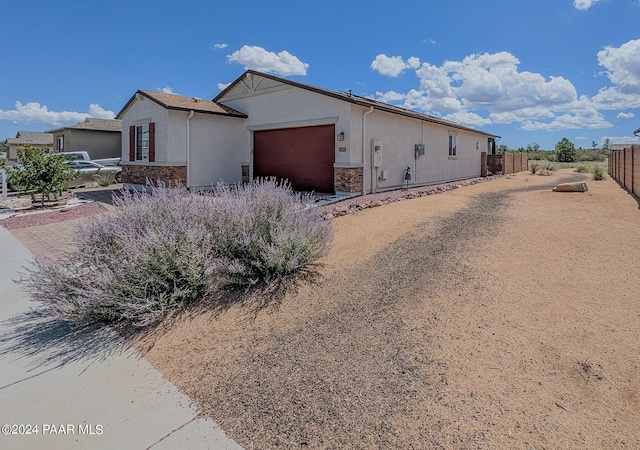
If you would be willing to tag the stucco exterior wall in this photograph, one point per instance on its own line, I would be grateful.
(398, 136)
(274, 105)
(146, 111)
(99, 144)
(216, 150)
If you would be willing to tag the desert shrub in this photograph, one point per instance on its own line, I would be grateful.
(103, 180)
(550, 166)
(598, 173)
(267, 234)
(534, 167)
(582, 169)
(161, 250)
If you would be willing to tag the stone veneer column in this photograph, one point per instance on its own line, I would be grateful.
(347, 179)
(246, 174)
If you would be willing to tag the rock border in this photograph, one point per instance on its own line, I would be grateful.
(354, 204)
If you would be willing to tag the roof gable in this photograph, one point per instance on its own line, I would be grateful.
(182, 103)
(260, 83)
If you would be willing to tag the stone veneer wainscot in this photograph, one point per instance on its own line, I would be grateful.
(140, 173)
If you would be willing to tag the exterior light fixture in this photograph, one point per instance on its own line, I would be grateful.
(341, 136)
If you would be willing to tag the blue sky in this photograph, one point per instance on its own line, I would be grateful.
(530, 71)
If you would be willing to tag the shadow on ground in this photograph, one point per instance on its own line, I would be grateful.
(43, 340)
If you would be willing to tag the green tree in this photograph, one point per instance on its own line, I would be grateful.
(502, 148)
(40, 173)
(594, 145)
(606, 145)
(566, 151)
(533, 147)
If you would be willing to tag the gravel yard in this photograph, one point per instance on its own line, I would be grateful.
(494, 315)
(498, 315)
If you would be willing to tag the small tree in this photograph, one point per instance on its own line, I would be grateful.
(40, 173)
(566, 151)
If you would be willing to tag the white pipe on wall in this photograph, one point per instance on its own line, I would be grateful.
(364, 134)
(191, 113)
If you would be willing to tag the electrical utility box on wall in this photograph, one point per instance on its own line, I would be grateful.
(376, 147)
(419, 148)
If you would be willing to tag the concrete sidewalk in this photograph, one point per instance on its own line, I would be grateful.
(83, 389)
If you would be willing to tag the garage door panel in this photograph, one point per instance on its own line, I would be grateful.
(304, 156)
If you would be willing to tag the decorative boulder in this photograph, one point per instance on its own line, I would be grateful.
(571, 187)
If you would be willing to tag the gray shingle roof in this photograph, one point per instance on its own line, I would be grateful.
(31, 137)
(99, 124)
(93, 124)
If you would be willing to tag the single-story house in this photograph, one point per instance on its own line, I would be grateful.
(101, 138)
(33, 138)
(262, 125)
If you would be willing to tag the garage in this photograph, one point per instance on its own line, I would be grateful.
(304, 156)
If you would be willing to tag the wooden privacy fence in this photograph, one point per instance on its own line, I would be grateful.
(624, 167)
(506, 163)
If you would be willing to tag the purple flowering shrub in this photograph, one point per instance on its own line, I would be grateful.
(160, 251)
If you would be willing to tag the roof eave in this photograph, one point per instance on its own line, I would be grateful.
(354, 100)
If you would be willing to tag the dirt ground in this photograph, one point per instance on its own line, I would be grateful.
(500, 315)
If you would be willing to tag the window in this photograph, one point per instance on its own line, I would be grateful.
(60, 143)
(142, 142)
(452, 145)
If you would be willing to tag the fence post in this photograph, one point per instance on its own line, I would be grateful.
(633, 167)
(483, 164)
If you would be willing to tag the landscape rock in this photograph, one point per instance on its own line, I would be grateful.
(545, 173)
(571, 187)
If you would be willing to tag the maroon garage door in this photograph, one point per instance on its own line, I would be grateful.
(304, 156)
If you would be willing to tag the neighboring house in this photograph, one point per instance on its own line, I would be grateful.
(101, 138)
(263, 125)
(33, 138)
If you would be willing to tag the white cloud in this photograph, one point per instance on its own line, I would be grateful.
(390, 97)
(626, 115)
(392, 66)
(622, 66)
(166, 90)
(34, 112)
(467, 118)
(489, 88)
(98, 112)
(219, 46)
(257, 58)
(584, 4)
(223, 86)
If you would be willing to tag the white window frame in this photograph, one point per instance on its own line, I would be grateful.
(453, 145)
(142, 145)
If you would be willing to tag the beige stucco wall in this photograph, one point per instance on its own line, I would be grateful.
(12, 150)
(146, 111)
(271, 105)
(216, 150)
(99, 144)
(274, 105)
(398, 136)
(216, 153)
